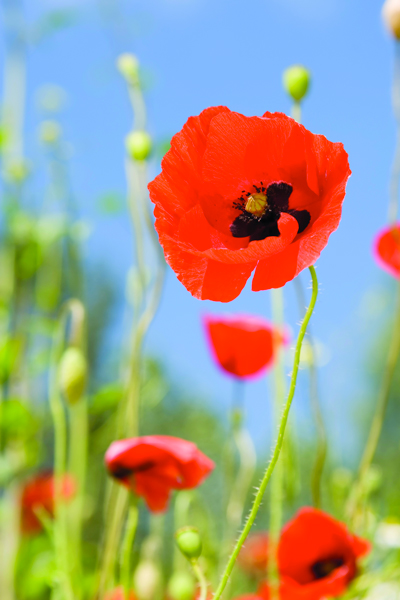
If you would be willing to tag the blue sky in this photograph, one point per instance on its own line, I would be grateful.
(198, 53)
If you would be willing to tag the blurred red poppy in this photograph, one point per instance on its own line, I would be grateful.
(153, 465)
(243, 345)
(241, 193)
(317, 557)
(387, 250)
(39, 493)
(253, 556)
(119, 594)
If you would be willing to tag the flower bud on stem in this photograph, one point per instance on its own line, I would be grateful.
(189, 543)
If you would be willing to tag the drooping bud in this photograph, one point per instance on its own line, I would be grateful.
(189, 542)
(181, 586)
(138, 145)
(49, 132)
(391, 17)
(296, 81)
(128, 66)
(73, 374)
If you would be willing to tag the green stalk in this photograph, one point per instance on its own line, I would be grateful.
(202, 581)
(126, 550)
(357, 493)
(275, 521)
(278, 446)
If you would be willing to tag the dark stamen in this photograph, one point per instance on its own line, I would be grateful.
(323, 568)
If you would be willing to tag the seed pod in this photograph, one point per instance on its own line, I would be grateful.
(73, 374)
(138, 145)
(296, 81)
(189, 542)
(128, 66)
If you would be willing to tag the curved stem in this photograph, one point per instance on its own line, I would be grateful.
(278, 445)
(395, 175)
(321, 452)
(379, 416)
(126, 550)
(201, 579)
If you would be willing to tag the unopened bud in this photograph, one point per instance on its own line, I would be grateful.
(128, 66)
(49, 132)
(189, 542)
(138, 145)
(391, 17)
(296, 81)
(17, 171)
(181, 586)
(147, 580)
(73, 374)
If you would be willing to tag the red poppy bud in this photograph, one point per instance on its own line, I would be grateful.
(189, 542)
(138, 145)
(296, 81)
(243, 345)
(241, 194)
(391, 16)
(153, 465)
(387, 250)
(73, 374)
(181, 586)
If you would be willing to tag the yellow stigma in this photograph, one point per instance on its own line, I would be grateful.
(256, 204)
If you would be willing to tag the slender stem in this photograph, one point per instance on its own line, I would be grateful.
(296, 112)
(275, 521)
(201, 579)
(60, 451)
(321, 452)
(127, 543)
(357, 493)
(278, 445)
(395, 175)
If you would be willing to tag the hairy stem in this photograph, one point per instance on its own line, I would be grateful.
(278, 446)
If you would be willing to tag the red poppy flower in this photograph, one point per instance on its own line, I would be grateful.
(39, 493)
(253, 556)
(387, 250)
(317, 557)
(241, 193)
(243, 345)
(153, 465)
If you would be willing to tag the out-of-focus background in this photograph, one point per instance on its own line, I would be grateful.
(193, 54)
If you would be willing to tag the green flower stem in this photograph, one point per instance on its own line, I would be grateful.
(77, 468)
(202, 581)
(61, 539)
(126, 549)
(395, 176)
(275, 521)
(296, 112)
(322, 448)
(278, 446)
(357, 493)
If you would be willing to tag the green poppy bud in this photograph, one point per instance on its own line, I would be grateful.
(17, 171)
(138, 145)
(73, 374)
(189, 542)
(391, 17)
(49, 132)
(181, 586)
(296, 81)
(128, 66)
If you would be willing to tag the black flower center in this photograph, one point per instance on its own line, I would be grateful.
(121, 472)
(260, 212)
(323, 568)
